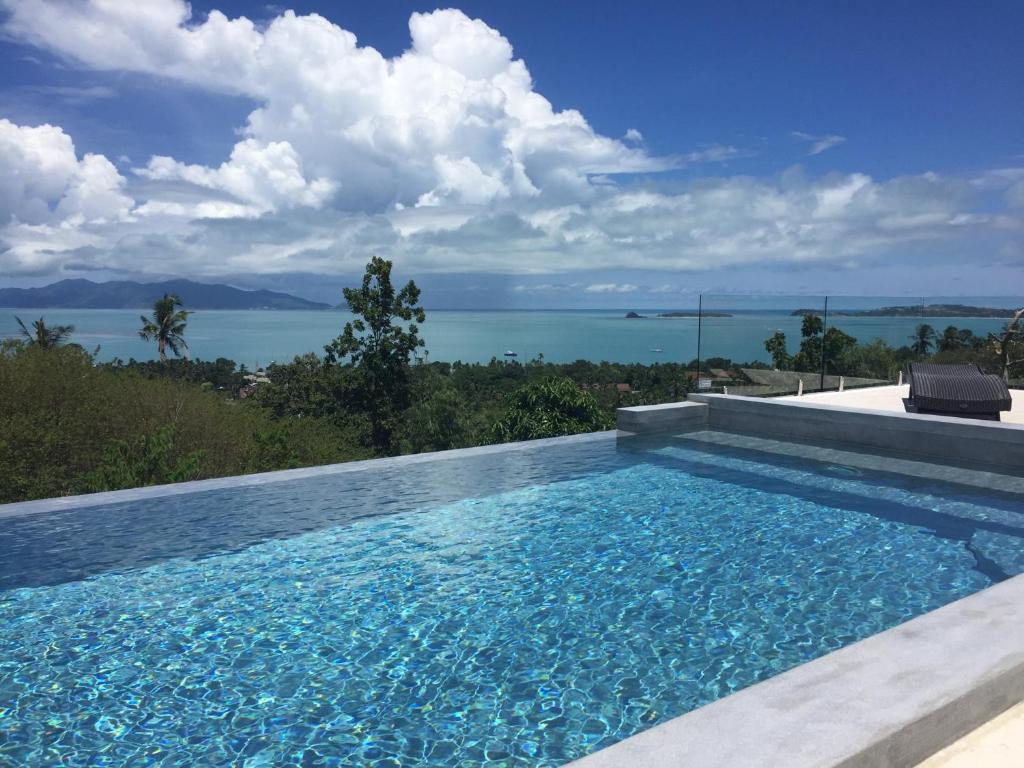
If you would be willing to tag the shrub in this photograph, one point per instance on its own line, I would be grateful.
(549, 409)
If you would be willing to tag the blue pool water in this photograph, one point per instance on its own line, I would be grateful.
(518, 608)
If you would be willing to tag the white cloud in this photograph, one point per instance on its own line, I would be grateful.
(818, 144)
(443, 157)
(452, 119)
(266, 176)
(42, 180)
(716, 153)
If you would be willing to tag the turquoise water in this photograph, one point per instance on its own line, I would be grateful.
(260, 337)
(517, 609)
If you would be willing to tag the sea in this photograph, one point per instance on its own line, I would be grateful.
(261, 337)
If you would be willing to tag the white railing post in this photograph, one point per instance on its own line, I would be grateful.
(800, 388)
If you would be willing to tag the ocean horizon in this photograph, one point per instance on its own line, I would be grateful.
(261, 337)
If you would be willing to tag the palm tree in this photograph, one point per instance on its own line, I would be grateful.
(167, 326)
(950, 340)
(923, 340)
(43, 336)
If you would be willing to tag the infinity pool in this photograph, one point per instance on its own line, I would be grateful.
(519, 607)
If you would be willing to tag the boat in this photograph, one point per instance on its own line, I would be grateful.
(510, 353)
(657, 349)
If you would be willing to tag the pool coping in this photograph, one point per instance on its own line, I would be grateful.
(888, 701)
(82, 501)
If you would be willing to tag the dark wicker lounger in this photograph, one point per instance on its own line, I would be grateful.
(957, 390)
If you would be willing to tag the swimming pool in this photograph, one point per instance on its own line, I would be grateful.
(515, 607)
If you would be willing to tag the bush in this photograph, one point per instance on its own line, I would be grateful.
(549, 409)
(67, 426)
(147, 460)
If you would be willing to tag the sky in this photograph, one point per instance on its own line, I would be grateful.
(517, 154)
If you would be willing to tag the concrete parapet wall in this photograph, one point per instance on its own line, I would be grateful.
(943, 438)
(662, 418)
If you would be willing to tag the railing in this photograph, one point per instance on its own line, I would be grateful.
(772, 345)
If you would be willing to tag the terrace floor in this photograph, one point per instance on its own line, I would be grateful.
(998, 743)
(890, 398)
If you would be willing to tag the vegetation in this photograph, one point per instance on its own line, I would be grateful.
(71, 425)
(380, 350)
(923, 340)
(549, 409)
(1001, 353)
(167, 326)
(1009, 345)
(44, 336)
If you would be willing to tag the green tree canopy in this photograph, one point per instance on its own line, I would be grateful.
(812, 326)
(167, 326)
(380, 343)
(549, 409)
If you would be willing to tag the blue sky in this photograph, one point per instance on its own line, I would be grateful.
(788, 148)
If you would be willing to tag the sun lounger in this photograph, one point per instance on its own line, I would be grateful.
(957, 390)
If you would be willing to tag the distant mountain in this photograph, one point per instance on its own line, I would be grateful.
(124, 294)
(928, 310)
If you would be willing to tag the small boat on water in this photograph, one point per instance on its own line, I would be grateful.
(510, 353)
(657, 349)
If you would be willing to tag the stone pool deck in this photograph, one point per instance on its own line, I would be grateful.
(890, 398)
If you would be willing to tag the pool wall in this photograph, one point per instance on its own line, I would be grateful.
(947, 439)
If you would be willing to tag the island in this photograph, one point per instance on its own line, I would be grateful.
(126, 294)
(633, 316)
(927, 310)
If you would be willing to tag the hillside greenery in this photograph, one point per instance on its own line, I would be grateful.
(69, 424)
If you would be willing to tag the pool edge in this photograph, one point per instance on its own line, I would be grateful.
(82, 501)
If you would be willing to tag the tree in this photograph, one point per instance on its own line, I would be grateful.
(44, 336)
(438, 419)
(380, 349)
(812, 326)
(1009, 344)
(952, 339)
(809, 356)
(776, 347)
(838, 346)
(549, 409)
(923, 339)
(167, 326)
